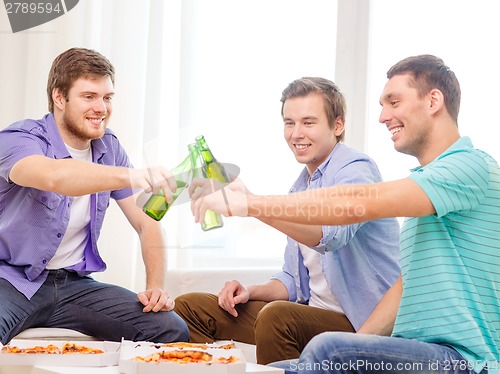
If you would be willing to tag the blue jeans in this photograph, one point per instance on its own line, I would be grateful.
(105, 311)
(339, 352)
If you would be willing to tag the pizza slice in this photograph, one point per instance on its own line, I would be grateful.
(49, 349)
(185, 357)
(203, 346)
(181, 356)
(11, 349)
(185, 345)
(52, 349)
(69, 348)
(226, 346)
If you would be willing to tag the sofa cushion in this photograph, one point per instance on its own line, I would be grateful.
(184, 280)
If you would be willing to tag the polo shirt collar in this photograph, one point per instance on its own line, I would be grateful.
(461, 144)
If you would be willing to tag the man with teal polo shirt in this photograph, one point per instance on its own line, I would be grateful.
(443, 313)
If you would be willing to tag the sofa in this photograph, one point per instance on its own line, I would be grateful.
(178, 282)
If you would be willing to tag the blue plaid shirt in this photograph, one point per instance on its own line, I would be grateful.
(360, 261)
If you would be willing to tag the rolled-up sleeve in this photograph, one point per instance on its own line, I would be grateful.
(357, 171)
(16, 145)
(289, 282)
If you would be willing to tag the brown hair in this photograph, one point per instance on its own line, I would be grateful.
(335, 105)
(73, 64)
(429, 72)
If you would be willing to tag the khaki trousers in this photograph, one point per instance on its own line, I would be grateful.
(280, 329)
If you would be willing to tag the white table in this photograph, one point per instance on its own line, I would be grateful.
(250, 368)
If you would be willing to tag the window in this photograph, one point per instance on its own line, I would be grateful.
(463, 36)
(235, 60)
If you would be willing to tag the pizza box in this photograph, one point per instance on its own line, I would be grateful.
(129, 350)
(17, 369)
(108, 358)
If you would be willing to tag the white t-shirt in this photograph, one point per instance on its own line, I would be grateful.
(321, 294)
(70, 251)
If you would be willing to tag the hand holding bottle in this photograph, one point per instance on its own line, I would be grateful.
(199, 163)
(159, 203)
(153, 179)
(228, 199)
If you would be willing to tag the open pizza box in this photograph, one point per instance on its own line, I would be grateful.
(108, 358)
(17, 369)
(131, 350)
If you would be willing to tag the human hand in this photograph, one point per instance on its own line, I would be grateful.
(156, 300)
(228, 199)
(153, 180)
(233, 293)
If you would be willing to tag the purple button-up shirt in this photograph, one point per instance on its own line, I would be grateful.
(33, 222)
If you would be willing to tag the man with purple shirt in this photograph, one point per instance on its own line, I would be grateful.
(57, 175)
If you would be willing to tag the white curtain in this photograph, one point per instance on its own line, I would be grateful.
(130, 33)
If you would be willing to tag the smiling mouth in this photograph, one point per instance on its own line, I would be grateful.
(302, 146)
(395, 130)
(95, 121)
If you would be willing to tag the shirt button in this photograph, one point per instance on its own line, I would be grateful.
(59, 235)
(44, 261)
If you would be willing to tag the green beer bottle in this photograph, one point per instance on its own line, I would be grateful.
(212, 220)
(156, 206)
(215, 170)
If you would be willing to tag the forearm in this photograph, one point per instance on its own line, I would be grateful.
(346, 204)
(269, 291)
(312, 208)
(306, 234)
(68, 176)
(153, 246)
(381, 321)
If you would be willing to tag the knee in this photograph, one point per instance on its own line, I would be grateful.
(186, 302)
(326, 344)
(330, 338)
(270, 314)
(321, 347)
(174, 329)
(274, 309)
(183, 301)
(180, 331)
(337, 338)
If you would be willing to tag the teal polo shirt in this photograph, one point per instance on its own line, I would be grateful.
(450, 261)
